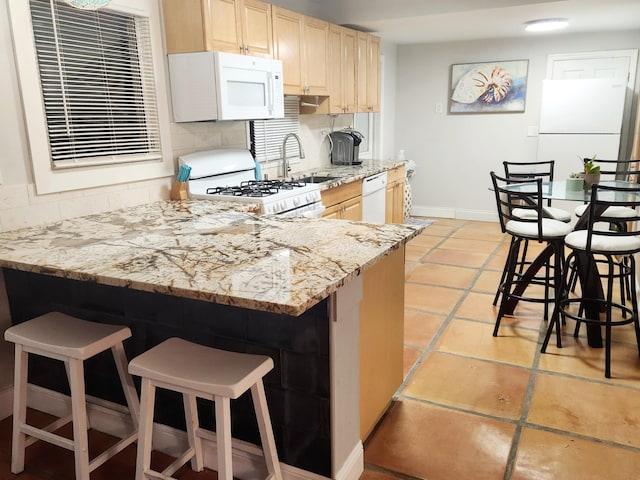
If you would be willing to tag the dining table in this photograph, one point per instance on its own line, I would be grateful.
(585, 264)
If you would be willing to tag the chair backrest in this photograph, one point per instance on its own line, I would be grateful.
(522, 194)
(530, 170)
(626, 170)
(603, 197)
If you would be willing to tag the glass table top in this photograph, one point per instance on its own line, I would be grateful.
(557, 190)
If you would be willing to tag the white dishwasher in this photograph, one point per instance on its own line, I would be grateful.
(374, 198)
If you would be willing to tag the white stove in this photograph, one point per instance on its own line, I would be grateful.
(229, 175)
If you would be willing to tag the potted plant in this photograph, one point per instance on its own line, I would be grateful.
(591, 172)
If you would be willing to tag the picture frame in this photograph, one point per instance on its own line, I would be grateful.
(489, 87)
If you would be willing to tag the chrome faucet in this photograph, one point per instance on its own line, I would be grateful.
(285, 162)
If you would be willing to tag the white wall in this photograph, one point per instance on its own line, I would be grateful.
(454, 153)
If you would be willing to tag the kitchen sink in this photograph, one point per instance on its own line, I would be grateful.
(316, 179)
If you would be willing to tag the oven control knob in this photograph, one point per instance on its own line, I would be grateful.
(296, 202)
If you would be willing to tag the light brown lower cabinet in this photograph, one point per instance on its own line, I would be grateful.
(343, 202)
(394, 207)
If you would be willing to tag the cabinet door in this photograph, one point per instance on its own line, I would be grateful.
(287, 46)
(368, 73)
(257, 31)
(349, 69)
(223, 29)
(394, 208)
(398, 203)
(362, 50)
(373, 74)
(316, 57)
(352, 209)
(183, 25)
(342, 70)
(389, 203)
(336, 76)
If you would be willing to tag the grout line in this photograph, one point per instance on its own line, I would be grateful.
(534, 370)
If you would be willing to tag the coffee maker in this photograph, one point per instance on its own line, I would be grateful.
(345, 147)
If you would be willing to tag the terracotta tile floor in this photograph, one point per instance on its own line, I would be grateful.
(476, 407)
(472, 406)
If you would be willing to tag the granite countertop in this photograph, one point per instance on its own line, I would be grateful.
(206, 251)
(350, 173)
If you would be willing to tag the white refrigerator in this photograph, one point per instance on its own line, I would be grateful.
(578, 119)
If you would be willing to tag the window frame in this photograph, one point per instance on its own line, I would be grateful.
(369, 135)
(49, 179)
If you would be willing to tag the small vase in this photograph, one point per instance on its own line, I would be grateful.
(590, 179)
(575, 184)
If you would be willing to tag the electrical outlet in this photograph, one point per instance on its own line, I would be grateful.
(438, 107)
(323, 133)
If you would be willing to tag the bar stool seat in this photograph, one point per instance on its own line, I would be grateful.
(200, 371)
(70, 340)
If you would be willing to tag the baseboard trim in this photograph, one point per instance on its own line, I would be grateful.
(419, 211)
(442, 212)
(354, 465)
(111, 418)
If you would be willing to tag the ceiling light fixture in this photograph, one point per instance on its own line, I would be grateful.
(546, 24)
(88, 4)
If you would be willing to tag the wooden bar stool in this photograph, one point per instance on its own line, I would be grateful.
(70, 340)
(205, 372)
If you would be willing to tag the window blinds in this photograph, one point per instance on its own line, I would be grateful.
(267, 135)
(97, 81)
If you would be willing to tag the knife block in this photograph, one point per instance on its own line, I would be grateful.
(179, 191)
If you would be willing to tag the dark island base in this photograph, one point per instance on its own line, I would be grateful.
(297, 389)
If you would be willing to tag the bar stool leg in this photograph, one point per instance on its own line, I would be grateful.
(191, 418)
(126, 381)
(266, 430)
(18, 440)
(223, 437)
(80, 424)
(145, 429)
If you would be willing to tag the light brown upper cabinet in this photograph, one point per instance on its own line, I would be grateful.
(302, 43)
(342, 70)
(235, 26)
(368, 73)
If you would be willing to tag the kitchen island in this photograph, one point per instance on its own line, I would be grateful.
(200, 270)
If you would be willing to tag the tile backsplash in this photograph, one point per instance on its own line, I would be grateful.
(21, 207)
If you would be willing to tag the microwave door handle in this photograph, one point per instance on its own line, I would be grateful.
(270, 92)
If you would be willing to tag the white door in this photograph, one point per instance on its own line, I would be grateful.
(617, 64)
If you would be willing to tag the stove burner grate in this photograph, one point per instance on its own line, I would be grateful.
(256, 188)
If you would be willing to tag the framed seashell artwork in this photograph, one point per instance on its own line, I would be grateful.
(490, 87)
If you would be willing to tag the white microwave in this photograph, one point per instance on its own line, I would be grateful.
(225, 86)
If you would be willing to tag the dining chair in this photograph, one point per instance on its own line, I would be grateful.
(529, 171)
(534, 226)
(604, 246)
(625, 170)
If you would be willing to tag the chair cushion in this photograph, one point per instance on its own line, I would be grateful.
(613, 212)
(550, 228)
(555, 213)
(603, 243)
